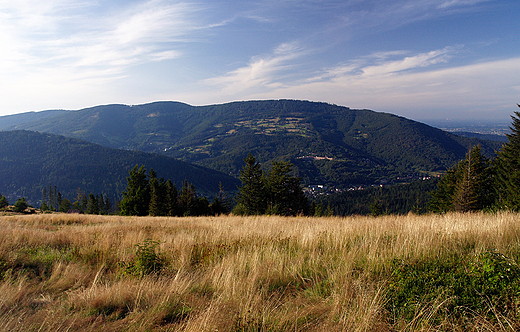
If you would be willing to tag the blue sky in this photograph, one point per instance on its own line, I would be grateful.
(422, 59)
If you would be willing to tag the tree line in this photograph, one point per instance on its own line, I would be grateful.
(150, 195)
(274, 192)
(478, 183)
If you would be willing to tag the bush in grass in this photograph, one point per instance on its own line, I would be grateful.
(467, 285)
(147, 260)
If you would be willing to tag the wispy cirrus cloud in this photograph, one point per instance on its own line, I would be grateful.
(59, 49)
(56, 33)
(266, 71)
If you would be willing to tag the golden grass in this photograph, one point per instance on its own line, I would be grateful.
(69, 272)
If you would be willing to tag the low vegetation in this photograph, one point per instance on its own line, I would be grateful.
(71, 272)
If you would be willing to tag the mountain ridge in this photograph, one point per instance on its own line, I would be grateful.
(328, 144)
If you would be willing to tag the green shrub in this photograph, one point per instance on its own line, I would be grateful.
(465, 284)
(147, 260)
(20, 205)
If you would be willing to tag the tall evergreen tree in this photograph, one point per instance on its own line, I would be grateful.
(65, 205)
(285, 195)
(442, 198)
(508, 169)
(3, 202)
(221, 203)
(172, 199)
(136, 196)
(20, 205)
(92, 204)
(158, 195)
(187, 199)
(465, 187)
(252, 196)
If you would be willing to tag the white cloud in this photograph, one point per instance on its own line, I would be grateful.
(39, 34)
(260, 72)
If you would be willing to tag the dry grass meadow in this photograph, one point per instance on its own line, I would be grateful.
(453, 272)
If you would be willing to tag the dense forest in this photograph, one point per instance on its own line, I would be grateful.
(31, 162)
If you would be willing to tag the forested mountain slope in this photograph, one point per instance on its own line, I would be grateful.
(31, 161)
(329, 144)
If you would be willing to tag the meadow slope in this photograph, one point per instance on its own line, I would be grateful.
(452, 272)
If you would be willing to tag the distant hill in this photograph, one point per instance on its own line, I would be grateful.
(329, 144)
(30, 161)
(18, 119)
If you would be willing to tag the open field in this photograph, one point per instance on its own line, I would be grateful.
(453, 272)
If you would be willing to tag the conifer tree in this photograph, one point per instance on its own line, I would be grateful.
(172, 199)
(92, 205)
(3, 202)
(252, 196)
(285, 195)
(442, 198)
(466, 186)
(187, 199)
(65, 205)
(20, 205)
(508, 169)
(136, 196)
(158, 205)
(221, 203)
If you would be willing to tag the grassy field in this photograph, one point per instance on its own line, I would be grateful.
(453, 272)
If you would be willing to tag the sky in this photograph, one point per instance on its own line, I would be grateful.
(421, 59)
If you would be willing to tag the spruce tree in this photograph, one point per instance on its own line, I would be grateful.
(136, 196)
(508, 169)
(172, 199)
(92, 204)
(158, 195)
(252, 195)
(466, 186)
(285, 195)
(65, 205)
(442, 198)
(221, 203)
(3, 202)
(20, 205)
(187, 199)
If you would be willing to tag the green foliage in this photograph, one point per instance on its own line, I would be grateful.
(252, 194)
(463, 285)
(20, 205)
(276, 192)
(65, 205)
(285, 195)
(158, 195)
(221, 202)
(31, 161)
(468, 186)
(3, 202)
(508, 169)
(92, 205)
(136, 197)
(147, 260)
